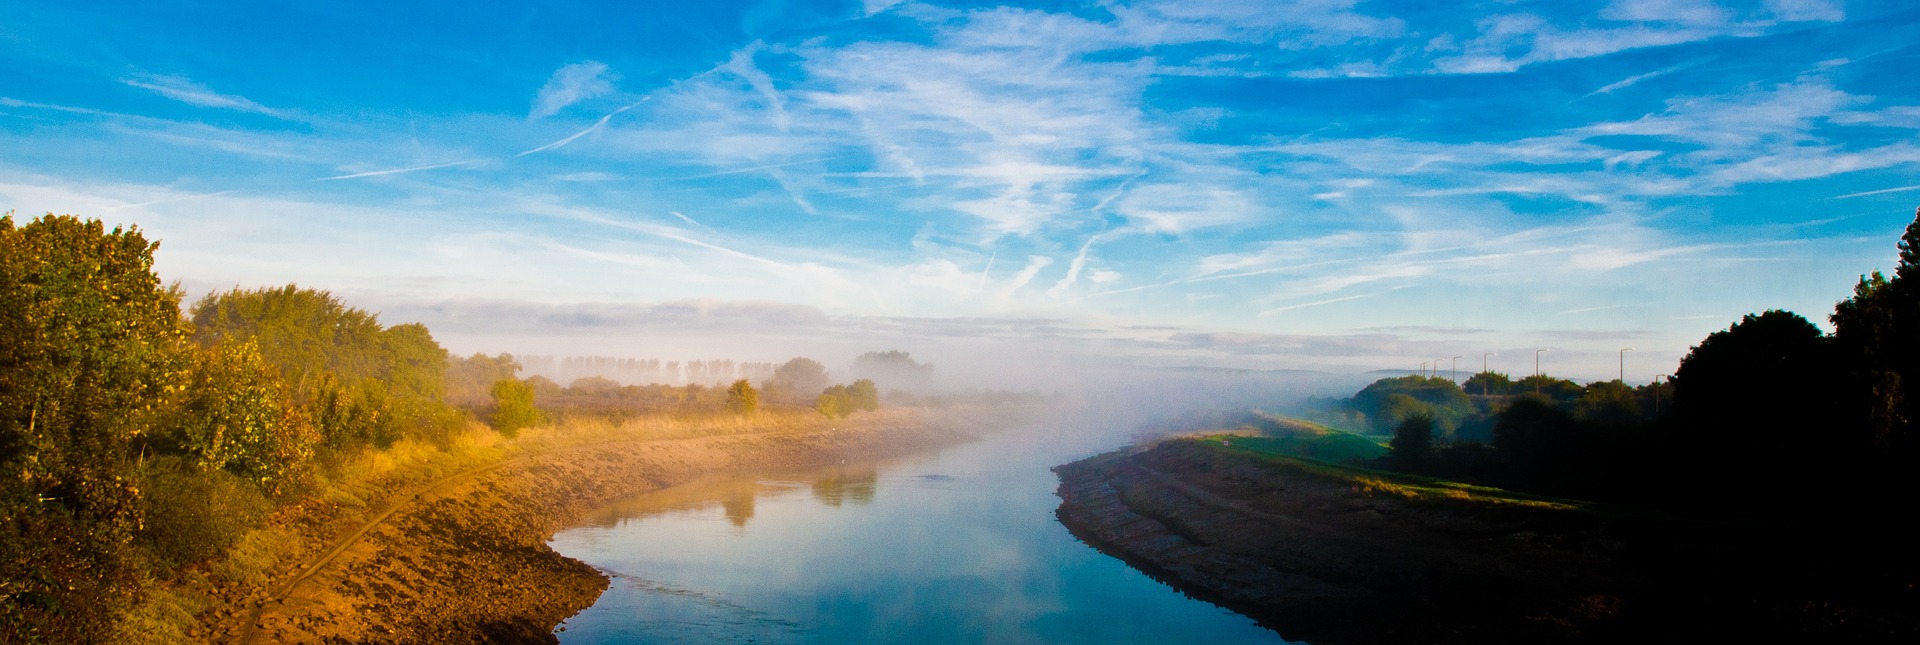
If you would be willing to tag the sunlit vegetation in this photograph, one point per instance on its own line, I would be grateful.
(144, 450)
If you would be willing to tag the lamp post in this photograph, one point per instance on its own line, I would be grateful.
(1536, 369)
(1423, 368)
(1486, 385)
(1623, 364)
(1656, 393)
(1456, 368)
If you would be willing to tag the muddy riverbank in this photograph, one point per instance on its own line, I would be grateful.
(466, 560)
(1327, 562)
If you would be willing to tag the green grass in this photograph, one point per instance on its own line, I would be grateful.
(1336, 447)
(1287, 453)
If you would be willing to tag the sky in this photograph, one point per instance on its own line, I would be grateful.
(1292, 184)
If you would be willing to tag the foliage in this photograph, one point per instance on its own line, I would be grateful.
(1390, 401)
(742, 398)
(361, 383)
(236, 415)
(834, 402)
(89, 345)
(863, 395)
(1412, 444)
(472, 378)
(1489, 384)
(513, 407)
(797, 377)
(895, 368)
(193, 515)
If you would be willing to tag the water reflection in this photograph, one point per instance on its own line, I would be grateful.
(959, 546)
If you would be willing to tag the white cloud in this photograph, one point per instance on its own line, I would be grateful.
(571, 84)
(183, 89)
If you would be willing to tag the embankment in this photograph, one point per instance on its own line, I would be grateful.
(464, 558)
(1327, 561)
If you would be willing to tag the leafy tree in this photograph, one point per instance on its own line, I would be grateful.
(864, 395)
(473, 377)
(1558, 389)
(798, 377)
(89, 350)
(513, 407)
(742, 398)
(1609, 403)
(834, 402)
(1488, 384)
(1412, 444)
(362, 383)
(895, 368)
(236, 415)
(1389, 401)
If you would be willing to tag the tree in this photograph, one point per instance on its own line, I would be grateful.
(863, 395)
(798, 378)
(90, 348)
(236, 415)
(742, 398)
(895, 368)
(513, 407)
(1488, 384)
(1412, 443)
(834, 402)
(362, 383)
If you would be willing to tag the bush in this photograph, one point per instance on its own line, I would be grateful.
(193, 516)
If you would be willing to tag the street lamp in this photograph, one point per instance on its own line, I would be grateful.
(1486, 386)
(1536, 370)
(1456, 368)
(1656, 393)
(1423, 368)
(1623, 364)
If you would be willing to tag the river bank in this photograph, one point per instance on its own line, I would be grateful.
(464, 558)
(1329, 562)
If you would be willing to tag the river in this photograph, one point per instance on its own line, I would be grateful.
(957, 546)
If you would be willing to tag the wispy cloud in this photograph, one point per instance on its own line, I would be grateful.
(183, 89)
(571, 84)
(399, 171)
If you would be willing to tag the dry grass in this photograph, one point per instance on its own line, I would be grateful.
(358, 485)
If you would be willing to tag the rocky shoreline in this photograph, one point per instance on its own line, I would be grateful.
(467, 561)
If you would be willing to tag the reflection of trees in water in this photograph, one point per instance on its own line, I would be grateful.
(737, 504)
(855, 484)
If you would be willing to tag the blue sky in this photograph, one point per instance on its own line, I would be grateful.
(1316, 184)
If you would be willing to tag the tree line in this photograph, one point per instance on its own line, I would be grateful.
(1769, 420)
(137, 438)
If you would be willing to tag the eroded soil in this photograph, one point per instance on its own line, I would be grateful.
(464, 559)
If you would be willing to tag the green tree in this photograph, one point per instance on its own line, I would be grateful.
(1412, 444)
(742, 398)
(1488, 384)
(864, 395)
(90, 346)
(834, 402)
(797, 377)
(236, 415)
(513, 407)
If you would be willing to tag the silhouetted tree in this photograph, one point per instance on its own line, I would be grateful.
(895, 368)
(1412, 444)
(797, 378)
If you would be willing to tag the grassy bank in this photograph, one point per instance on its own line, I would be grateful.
(345, 493)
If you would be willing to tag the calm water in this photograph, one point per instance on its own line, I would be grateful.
(955, 547)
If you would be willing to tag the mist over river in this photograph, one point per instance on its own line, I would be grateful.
(957, 546)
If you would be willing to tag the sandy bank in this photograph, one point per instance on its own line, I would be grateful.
(465, 559)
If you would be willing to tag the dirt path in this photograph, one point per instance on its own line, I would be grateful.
(463, 558)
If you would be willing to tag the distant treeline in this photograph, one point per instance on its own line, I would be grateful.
(1770, 421)
(566, 369)
(137, 440)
